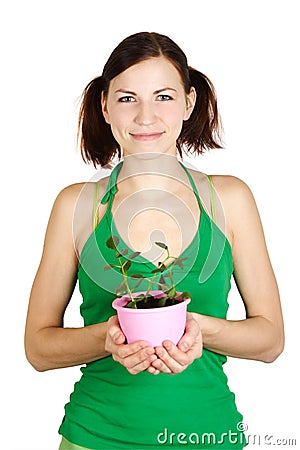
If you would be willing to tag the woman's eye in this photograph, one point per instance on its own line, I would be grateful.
(126, 99)
(164, 97)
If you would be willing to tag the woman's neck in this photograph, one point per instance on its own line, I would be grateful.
(150, 170)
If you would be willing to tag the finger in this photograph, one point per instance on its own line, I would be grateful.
(174, 358)
(129, 358)
(188, 356)
(137, 362)
(151, 369)
(141, 367)
(191, 334)
(135, 348)
(114, 330)
(160, 366)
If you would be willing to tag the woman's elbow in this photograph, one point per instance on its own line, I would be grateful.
(35, 361)
(275, 349)
(33, 357)
(37, 365)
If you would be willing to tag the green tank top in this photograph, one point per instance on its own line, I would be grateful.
(112, 409)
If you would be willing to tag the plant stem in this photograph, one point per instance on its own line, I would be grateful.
(126, 282)
(152, 280)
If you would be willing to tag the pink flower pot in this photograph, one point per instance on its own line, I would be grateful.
(153, 325)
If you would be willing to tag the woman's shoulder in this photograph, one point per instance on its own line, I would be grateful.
(233, 196)
(225, 185)
(237, 202)
(82, 191)
(232, 190)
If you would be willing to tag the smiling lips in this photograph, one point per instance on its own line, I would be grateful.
(147, 136)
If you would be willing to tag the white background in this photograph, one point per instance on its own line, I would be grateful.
(50, 51)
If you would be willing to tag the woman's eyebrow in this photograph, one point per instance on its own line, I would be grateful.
(165, 89)
(126, 91)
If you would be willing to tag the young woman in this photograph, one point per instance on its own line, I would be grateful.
(148, 107)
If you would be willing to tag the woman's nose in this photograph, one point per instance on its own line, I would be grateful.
(145, 114)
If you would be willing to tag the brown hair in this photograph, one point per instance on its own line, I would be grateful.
(201, 131)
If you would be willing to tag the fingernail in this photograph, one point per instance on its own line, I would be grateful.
(167, 346)
(116, 336)
(184, 346)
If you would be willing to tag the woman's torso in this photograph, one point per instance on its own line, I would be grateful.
(110, 408)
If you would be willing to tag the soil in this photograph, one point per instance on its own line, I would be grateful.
(152, 302)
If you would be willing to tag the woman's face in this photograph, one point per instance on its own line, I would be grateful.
(146, 106)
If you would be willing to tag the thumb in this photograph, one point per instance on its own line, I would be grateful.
(190, 335)
(115, 331)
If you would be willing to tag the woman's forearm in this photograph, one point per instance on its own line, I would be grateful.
(56, 347)
(252, 338)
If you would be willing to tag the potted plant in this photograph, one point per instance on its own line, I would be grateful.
(157, 313)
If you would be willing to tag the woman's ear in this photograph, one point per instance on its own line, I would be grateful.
(190, 103)
(104, 108)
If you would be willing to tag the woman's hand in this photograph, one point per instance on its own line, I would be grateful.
(175, 359)
(136, 357)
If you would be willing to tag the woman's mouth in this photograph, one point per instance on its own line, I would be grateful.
(147, 136)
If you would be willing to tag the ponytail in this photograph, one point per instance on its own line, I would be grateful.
(97, 143)
(202, 131)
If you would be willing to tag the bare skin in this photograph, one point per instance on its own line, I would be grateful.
(258, 288)
(49, 345)
(147, 119)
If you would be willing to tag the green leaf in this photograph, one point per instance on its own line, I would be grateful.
(126, 266)
(131, 305)
(164, 287)
(178, 262)
(121, 289)
(138, 283)
(162, 245)
(162, 284)
(137, 275)
(167, 274)
(112, 242)
(122, 253)
(139, 298)
(172, 292)
(159, 269)
(162, 301)
(134, 255)
(185, 295)
(162, 280)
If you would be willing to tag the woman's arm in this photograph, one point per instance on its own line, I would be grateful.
(47, 344)
(261, 335)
